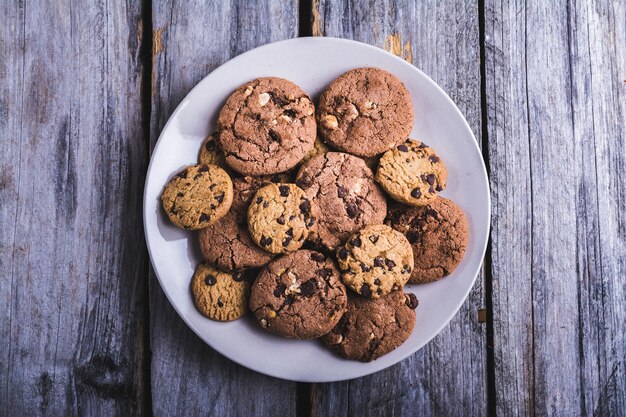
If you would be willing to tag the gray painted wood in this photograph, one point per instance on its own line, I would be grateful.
(448, 376)
(556, 94)
(190, 40)
(72, 256)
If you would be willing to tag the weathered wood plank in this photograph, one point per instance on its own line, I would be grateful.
(72, 253)
(556, 127)
(190, 40)
(448, 376)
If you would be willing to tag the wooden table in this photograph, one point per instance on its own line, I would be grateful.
(85, 89)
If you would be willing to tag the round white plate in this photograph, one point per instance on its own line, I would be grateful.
(313, 63)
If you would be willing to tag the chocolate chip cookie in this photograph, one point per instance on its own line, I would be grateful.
(210, 152)
(438, 235)
(342, 186)
(375, 261)
(219, 295)
(365, 112)
(412, 173)
(198, 196)
(280, 217)
(299, 295)
(373, 327)
(266, 126)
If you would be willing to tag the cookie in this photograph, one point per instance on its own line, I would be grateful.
(266, 126)
(438, 235)
(198, 196)
(210, 152)
(299, 295)
(280, 217)
(343, 188)
(219, 295)
(365, 111)
(373, 327)
(412, 173)
(228, 243)
(375, 261)
(319, 147)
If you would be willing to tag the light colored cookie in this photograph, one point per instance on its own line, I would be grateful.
(219, 295)
(210, 152)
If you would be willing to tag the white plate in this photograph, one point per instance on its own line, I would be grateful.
(313, 63)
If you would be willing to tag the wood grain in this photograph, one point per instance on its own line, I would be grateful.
(556, 127)
(448, 376)
(190, 40)
(72, 256)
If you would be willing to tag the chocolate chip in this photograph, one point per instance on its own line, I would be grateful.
(303, 182)
(287, 241)
(352, 210)
(356, 242)
(390, 264)
(411, 300)
(305, 206)
(317, 257)
(365, 268)
(281, 219)
(280, 290)
(308, 287)
(212, 187)
(289, 232)
(203, 168)
(212, 206)
(378, 261)
(210, 145)
(279, 100)
(416, 193)
(439, 188)
(180, 194)
(293, 216)
(377, 281)
(290, 299)
(284, 190)
(210, 280)
(403, 148)
(266, 241)
(182, 174)
(341, 192)
(266, 204)
(412, 237)
(365, 290)
(324, 272)
(197, 176)
(433, 159)
(204, 217)
(430, 179)
(342, 253)
(310, 222)
(373, 239)
(220, 197)
(219, 303)
(423, 145)
(406, 269)
(274, 136)
(431, 190)
(290, 113)
(237, 276)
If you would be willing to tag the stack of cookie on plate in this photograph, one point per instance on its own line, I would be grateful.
(318, 235)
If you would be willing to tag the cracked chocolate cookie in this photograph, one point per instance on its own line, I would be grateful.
(266, 126)
(210, 152)
(412, 173)
(343, 188)
(371, 328)
(219, 295)
(365, 112)
(299, 295)
(280, 217)
(375, 261)
(438, 235)
(198, 196)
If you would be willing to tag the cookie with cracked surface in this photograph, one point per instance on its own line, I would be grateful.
(373, 327)
(343, 188)
(412, 173)
(281, 217)
(299, 295)
(365, 112)
(219, 295)
(438, 235)
(266, 126)
(210, 152)
(198, 196)
(375, 261)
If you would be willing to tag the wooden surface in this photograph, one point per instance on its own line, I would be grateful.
(85, 90)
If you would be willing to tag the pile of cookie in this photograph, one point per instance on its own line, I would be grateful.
(295, 226)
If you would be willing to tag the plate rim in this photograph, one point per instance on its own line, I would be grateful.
(484, 177)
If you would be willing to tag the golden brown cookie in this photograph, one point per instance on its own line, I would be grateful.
(412, 173)
(375, 261)
(299, 295)
(198, 196)
(438, 235)
(210, 152)
(280, 217)
(373, 327)
(219, 295)
(365, 112)
(266, 126)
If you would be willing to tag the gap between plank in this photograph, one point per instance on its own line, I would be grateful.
(491, 372)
